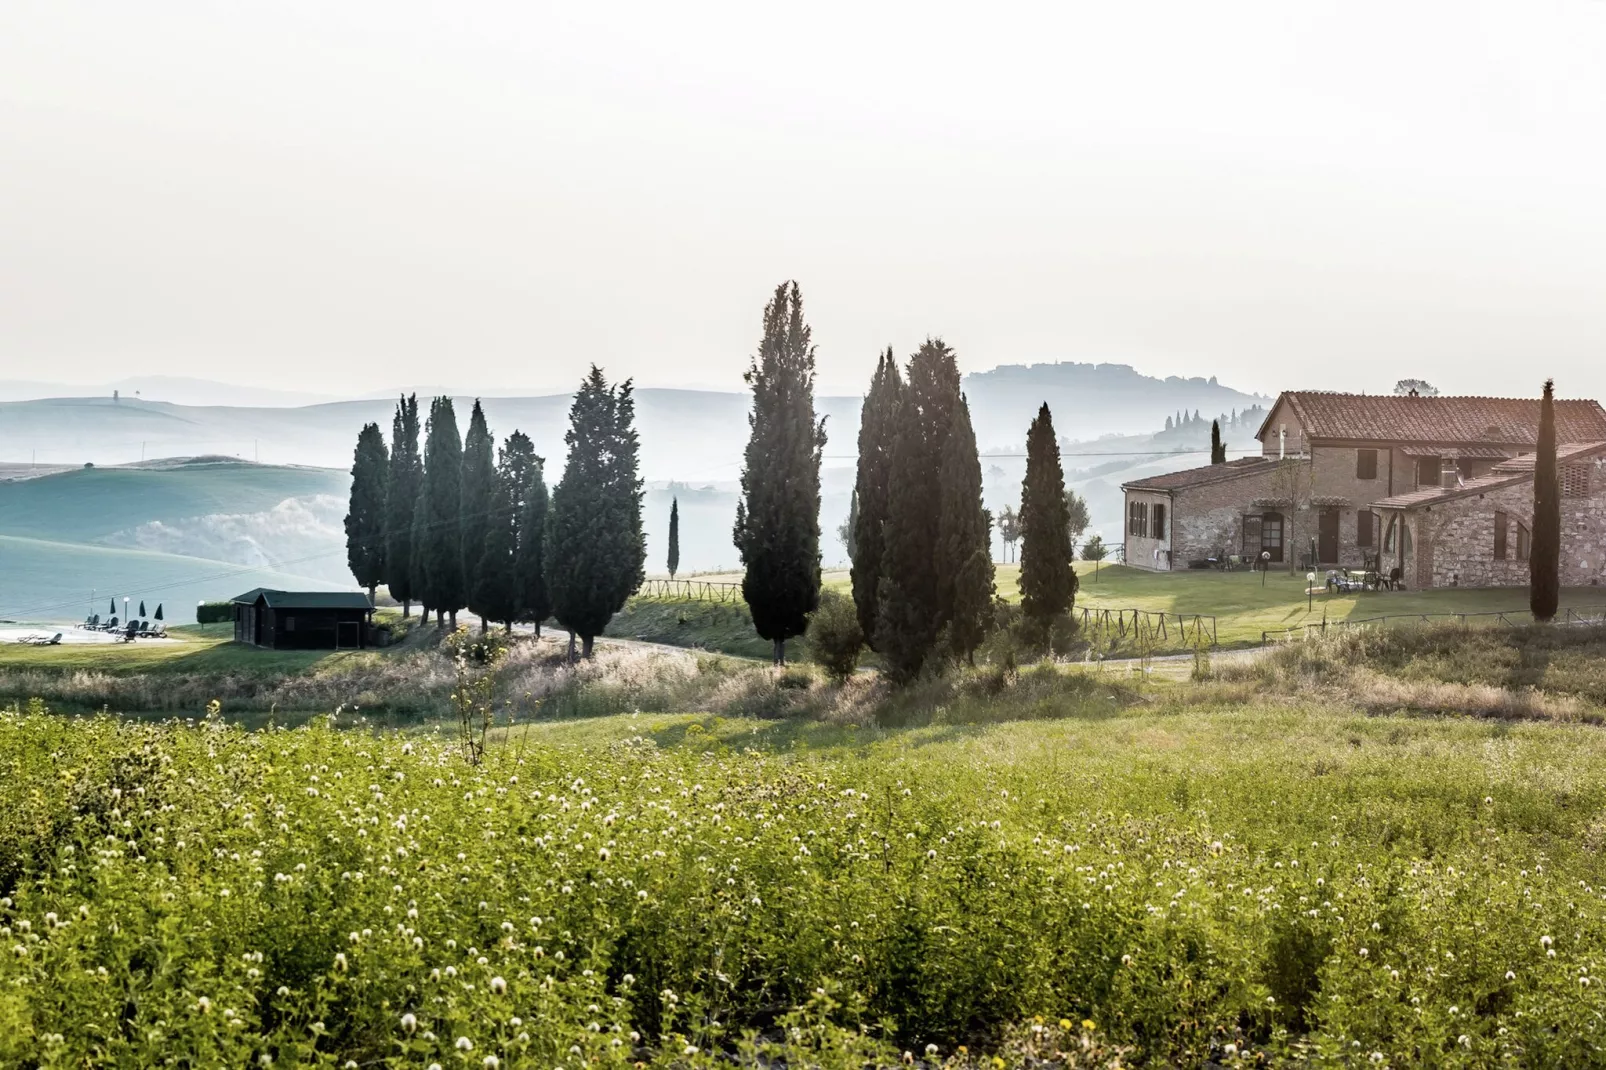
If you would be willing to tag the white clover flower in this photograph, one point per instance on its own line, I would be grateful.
(464, 1044)
(1510, 976)
(203, 1005)
(1545, 941)
(499, 986)
(409, 1023)
(491, 1062)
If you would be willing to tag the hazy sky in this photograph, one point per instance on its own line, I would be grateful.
(353, 195)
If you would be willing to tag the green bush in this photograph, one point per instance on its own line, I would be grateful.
(834, 636)
(214, 612)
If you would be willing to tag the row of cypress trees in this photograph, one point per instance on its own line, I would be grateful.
(922, 571)
(452, 526)
(455, 526)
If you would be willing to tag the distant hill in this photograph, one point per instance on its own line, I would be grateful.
(1087, 400)
(171, 531)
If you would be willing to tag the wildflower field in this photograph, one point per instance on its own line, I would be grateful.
(1244, 885)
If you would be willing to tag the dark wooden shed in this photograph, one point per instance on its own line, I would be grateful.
(302, 620)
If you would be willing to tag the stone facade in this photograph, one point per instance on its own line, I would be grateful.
(1452, 542)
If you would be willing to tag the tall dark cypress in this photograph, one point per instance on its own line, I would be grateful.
(1218, 449)
(494, 591)
(1047, 580)
(401, 499)
(911, 594)
(674, 537)
(525, 476)
(877, 428)
(777, 530)
(442, 545)
(365, 519)
(964, 540)
(1544, 555)
(595, 549)
(477, 498)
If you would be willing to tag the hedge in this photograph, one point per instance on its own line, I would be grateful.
(214, 612)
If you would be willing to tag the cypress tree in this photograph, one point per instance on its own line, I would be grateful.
(525, 475)
(1544, 554)
(1047, 580)
(914, 602)
(845, 531)
(441, 549)
(401, 498)
(777, 530)
(674, 536)
(495, 591)
(477, 500)
(964, 540)
(877, 428)
(1218, 449)
(365, 519)
(595, 550)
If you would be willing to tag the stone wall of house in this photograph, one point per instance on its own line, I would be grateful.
(1208, 520)
(1583, 533)
(1146, 551)
(1282, 416)
(1453, 542)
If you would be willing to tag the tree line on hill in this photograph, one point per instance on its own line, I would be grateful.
(463, 524)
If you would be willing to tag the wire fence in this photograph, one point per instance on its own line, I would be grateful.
(692, 590)
(1510, 618)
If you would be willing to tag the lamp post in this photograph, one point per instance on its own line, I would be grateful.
(125, 609)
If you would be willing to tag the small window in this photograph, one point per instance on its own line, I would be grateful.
(1365, 528)
(1365, 464)
(1501, 521)
(289, 624)
(1137, 519)
(1157, 522)
(1522, 542)
(1427, 471)
(1575, 481)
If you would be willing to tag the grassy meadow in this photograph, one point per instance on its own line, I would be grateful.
(1154, 884)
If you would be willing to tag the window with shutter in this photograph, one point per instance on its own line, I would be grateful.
(1522, 542)
(1157, 521)
(1500, 523)
(1365, 464)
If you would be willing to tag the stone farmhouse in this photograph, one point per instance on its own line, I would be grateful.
(1440, 488)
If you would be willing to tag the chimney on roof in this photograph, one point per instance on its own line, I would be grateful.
(1449, 475)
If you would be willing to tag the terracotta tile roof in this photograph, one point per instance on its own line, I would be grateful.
(1450, 420)
(1505, 474)
(1198, 477)
(1480, 453)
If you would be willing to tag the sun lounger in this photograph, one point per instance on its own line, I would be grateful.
(41, 640)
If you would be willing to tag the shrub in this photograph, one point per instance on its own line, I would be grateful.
(214, 612)
(834, 636)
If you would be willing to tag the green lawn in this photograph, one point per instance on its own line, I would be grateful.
(1244, 606)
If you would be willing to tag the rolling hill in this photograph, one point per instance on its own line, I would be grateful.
(174, 531)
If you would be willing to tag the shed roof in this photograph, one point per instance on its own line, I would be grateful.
(1505, 474)
(1447, 420)
(304, 599)
(1197, 477)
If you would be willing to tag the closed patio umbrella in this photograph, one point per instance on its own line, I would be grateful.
(113, 610)
(158, 611)
(142, 607)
